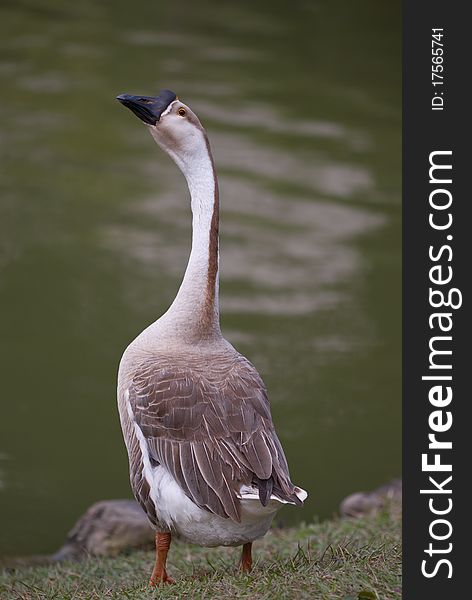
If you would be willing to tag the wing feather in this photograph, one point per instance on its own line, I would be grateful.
(211, 428)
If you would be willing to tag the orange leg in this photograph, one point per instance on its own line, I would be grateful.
(159, 573)
(246, 559)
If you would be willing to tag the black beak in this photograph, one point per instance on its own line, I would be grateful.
(148, 108)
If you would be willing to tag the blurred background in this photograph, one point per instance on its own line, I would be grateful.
(301, 101)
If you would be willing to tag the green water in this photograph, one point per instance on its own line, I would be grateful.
(302, 104)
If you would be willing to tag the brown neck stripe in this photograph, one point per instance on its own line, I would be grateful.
(210, 308)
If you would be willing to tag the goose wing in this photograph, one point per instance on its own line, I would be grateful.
(209, 424)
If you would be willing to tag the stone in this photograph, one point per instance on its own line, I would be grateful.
(364, 503)
(106, 529)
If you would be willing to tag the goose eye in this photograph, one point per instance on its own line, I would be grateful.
(182, 112)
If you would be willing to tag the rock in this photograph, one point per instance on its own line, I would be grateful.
(363, 503)
(106, 529)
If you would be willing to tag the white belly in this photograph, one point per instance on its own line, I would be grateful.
(201, 527)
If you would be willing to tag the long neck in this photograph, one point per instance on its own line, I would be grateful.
(195, 311)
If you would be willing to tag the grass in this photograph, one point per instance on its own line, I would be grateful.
(334, 560)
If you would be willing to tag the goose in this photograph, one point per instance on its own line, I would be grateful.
(205, 461)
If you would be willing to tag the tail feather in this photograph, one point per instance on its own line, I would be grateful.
(265, 487)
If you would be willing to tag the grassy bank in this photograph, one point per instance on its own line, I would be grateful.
(334, 560)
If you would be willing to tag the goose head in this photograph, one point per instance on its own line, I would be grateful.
(172, 124)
